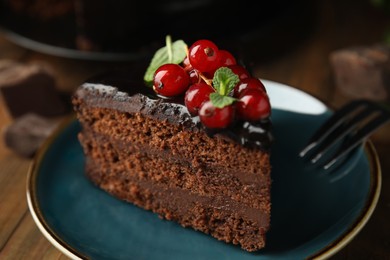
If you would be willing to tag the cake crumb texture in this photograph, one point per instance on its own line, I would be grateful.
(212, 185)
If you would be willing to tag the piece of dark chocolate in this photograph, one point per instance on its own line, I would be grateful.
(362, 71)
(27, 133)
(30, 88)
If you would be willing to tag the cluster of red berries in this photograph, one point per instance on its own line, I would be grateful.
(193, 78)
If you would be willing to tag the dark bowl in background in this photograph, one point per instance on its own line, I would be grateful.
(133, 30)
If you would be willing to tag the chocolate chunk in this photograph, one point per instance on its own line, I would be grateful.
(30, 88)
(363, 71)
(27, 133)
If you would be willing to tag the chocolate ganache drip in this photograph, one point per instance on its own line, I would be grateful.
(254, 135)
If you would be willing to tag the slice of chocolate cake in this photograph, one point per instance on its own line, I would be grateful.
(186, 160)
(151, 152)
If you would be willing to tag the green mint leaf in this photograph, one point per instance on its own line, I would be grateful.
(221, 101)
(224, 81)
(173, 52)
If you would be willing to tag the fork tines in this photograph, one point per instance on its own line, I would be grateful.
(346, 129)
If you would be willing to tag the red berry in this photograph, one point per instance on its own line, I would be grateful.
(226, 58)
(196, 95)
(213, 117)
(253, 105)
(248, 83)
(240, 71)
(170, 80)
(203, 56)
(192, 73)
(194, 76)
(186, 62)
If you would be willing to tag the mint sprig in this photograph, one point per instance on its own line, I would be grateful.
(220, 101)
(173, 52)
(224, 81)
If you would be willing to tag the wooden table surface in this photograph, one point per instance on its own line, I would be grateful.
(306, 66)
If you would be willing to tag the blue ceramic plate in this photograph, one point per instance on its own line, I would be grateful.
(314, 213)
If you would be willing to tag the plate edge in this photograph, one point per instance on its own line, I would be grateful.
(32, 200)
(369, 207)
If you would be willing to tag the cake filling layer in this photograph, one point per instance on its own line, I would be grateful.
(146, 164)
(180, 198)
(242, 175)
(222, 218)
(137, 129)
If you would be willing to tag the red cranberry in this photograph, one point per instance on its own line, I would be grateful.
(194, 76)
(253, 105)
(226, 58)
(186, 62)
(203, 56)
(192, 73)
(170, 80)
(196, 95)
(216, 118)
(240, 71)
(248, 83)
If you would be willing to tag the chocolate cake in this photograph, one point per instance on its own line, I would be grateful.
(152, 152)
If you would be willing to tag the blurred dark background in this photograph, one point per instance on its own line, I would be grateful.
(246, 26)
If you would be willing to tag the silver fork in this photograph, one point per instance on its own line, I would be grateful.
(345, 130)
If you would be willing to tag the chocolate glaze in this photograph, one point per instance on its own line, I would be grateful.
(125, 90)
